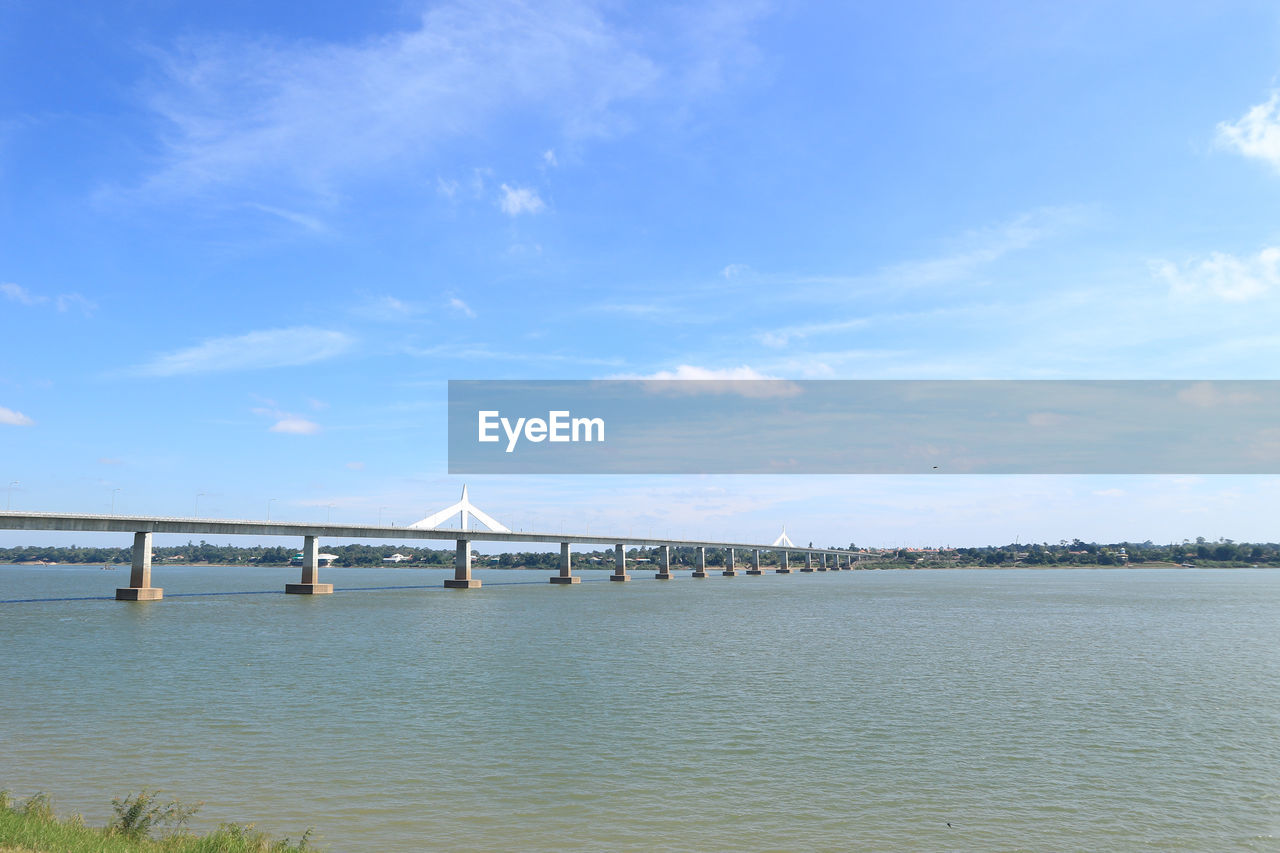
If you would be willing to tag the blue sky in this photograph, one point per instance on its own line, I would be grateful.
(242, 249)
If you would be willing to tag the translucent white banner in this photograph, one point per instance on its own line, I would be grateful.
(864, 427)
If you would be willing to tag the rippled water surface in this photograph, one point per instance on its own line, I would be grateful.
(1031, 710)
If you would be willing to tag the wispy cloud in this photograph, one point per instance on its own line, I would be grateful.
(63, 301)
(1206, 395)
(252, 351)
(635, 308)
(474, 352)
(1223, 276)
(387, 309)
(967, 261)
(18, 293)
(688, 379)
(1256, 134)
(314, 114)
(461, 307)
(779, 338)
(983, 247)
(302, 220)
(68, 301)
(518, 200)
(295, 426)
(9, 417)
(287, 422)
(692, 372)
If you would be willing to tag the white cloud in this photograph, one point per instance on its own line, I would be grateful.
(549, 158)
(67, 301)
(312, 114)
(1257, 133)
(252, 351)
(688, 371)
(985, 246)
(387, 309)
(1223, 276)
(11, 418)
(636, 308)
(294, 425)
(461, 307)
(518, 200)
(734, 270)
(473, 352)
(744, 381)
(20, 294)
(1206, 395)
(310, 223)
(355, 466)
(779, 338)
(448, 189)
(63, 302)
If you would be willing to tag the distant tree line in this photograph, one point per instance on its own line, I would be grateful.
(1200, 552)
(1223, 552)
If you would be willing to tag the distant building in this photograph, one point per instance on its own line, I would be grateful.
(396, 558)
(322, 560)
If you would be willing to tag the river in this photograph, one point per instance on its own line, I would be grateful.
(1122, 709)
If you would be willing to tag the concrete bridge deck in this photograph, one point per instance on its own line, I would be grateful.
(143, 527)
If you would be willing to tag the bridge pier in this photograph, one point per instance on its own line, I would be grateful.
(755, 563)
(729, 570)
(664, 567)
(822, 562)
(566, 570)
(140, 588)
(784, 564)
(310, 571)
(808, 561)
(619, 564)
(462, 568)
(701, 566)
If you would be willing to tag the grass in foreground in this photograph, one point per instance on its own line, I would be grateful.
(32, 827)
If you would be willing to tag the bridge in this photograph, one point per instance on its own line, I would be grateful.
(144, 527)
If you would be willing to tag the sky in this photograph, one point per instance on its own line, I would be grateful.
(243, 247)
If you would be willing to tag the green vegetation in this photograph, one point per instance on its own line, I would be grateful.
(1223, 553)
(32, 827)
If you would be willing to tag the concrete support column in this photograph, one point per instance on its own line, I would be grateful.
(755, 563)
(729, 568)
(784, 566)
(701, 566)
(462, 568)
(822, 562)
(619, 564)
(310, 571)
(808, 561)
(140, 588)
(664, 564)
(566, 569)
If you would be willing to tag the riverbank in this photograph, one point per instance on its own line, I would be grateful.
(33, 827)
